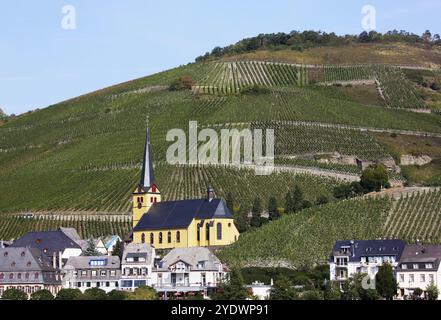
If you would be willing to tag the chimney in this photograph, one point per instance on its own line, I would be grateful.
(352, 248)
(210, 193)
(60, 260)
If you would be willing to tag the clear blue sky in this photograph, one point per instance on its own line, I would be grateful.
(118, 40)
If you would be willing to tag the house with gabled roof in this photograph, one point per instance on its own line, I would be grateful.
(203, 222)
(29, 270)
(419, 266)
(350, 257)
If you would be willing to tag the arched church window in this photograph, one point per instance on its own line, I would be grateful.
(152, 238)
(160, 237)
(143, 238)
(207, 232)
(178, 236)
(169, 237)
(219, 231)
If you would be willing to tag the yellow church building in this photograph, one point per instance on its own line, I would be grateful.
(175, 224)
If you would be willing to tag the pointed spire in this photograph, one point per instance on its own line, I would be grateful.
(147, 175)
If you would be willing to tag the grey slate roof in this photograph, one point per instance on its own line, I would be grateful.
(191, 256)
(49, 241)
(71, 233)
(421, 254)
(83, 262)
(369, 248)
(147, 175)
(179, 214)
(25, 260)
(138, 250)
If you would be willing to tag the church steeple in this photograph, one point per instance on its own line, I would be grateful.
(147, 175)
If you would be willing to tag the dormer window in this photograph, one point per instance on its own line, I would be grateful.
(13, 264)
(28, 264)
(5, 254)
(404, 266)
(429, 266)
(23, 253)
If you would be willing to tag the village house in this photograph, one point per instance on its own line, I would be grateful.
(178, 224)
(56, 245)
(363, 256)
(28, 270)
(185, 270)
(137, 266)
(86, 272)
(419, 267)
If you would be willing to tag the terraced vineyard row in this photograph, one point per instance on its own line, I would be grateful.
(14, 226)
(395, 88)
(230, 77)
(306, 238)
(416, 217)
(313, 139)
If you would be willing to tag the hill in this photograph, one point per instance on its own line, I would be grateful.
(83, 155)
(304, 239)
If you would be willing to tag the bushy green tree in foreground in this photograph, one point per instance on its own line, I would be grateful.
(42, 295)
(14, 294)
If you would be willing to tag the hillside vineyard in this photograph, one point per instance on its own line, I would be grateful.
(76, 163)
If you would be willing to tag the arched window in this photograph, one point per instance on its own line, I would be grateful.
(207, 232)
(27, 275)
(219, 231)
(154, 189)
(199, 232)
(2, 276)
(152, 238)
(160, 237)
(169, 237)
(143, 238)
(11, 276)
(178, 236)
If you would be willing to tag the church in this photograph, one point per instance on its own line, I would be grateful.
(203, 222)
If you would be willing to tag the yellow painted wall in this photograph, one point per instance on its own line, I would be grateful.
(137, 237)
(189, 236)
(145, 204)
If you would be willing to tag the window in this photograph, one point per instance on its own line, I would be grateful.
(94, 273)
(28, 264)
(219, 231)
(178, 236)
(198, 233)
(401, 277)
(84, 273)
(143, 238)
(160, 237)
(112, 273)
(404, 266)
(152, 238)
(19, 276)
(422, 278)
(169, 237)
(107, 284)
(411, 278)
(13, 264)
(88, 284)
(27, 275)
(207, 232)
(431, 278)
(415, 266)
(23, 253)
(429, 266)
(103, 273)
(11, 276)
(154, 189)
(5, 254)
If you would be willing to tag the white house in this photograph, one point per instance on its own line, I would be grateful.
(418, 267)
(194, 269)
(86, 272)
(137, 266)
(363, 256)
